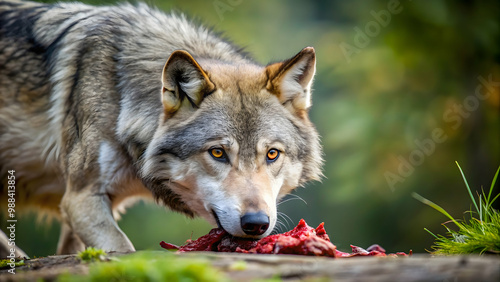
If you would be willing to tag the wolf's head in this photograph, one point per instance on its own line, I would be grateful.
(233, 139)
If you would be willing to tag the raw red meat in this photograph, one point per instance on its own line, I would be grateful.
(373, 250)
(207, 242)
(302, 240)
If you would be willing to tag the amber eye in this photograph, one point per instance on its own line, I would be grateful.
(272, 155)
(218, 154)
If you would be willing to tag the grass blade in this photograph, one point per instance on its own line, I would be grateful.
(431, 233)
(436, 207)
(489, 204)
(493, 186)
(480, 209)
(468, 188)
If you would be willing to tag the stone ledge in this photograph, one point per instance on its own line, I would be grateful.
(419, 267)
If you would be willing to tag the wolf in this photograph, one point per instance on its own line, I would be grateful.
(100, 106)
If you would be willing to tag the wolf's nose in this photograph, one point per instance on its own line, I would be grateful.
(255, 223)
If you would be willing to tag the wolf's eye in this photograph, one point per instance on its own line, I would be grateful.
(272, 155)
(218, 154)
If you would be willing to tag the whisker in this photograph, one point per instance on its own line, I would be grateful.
(281, 228)
(285, 200)
(287, 219)
(298, 198)
(292, 197)
(278, 227)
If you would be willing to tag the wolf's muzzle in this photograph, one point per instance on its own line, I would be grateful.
(255, 223)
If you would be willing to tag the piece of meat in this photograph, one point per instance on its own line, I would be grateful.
(207, 242)
(374, 251)
(302, 240)
(234, 244)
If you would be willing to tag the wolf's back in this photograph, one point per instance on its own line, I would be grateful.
(40, 38)
(66, 66)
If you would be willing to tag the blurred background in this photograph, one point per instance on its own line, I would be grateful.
(403, 89)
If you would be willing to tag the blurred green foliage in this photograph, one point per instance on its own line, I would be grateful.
(150, 267)
(396, 101)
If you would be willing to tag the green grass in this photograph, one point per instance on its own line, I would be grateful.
(477, 235)
(4, 263)
(92, 254)
(150, 266)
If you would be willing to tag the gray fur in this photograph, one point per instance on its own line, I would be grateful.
(83, 125)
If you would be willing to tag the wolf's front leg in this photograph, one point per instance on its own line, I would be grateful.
(69, 242)
(88, 215)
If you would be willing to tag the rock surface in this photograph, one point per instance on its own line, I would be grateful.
(419, 267)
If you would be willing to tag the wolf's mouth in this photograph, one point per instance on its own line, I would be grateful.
(217, 219)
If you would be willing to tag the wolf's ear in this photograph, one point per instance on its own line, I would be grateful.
(291, 80)
(185, 83)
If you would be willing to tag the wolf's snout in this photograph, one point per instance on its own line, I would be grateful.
(254, 223)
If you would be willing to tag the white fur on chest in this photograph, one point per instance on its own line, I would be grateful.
(119, 180)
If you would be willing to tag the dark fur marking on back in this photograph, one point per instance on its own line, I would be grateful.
(72, 107)
(53, 46)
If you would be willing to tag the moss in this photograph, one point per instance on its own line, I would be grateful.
(238, 265)
(150, 266)
(5, 263)
(91, 254)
